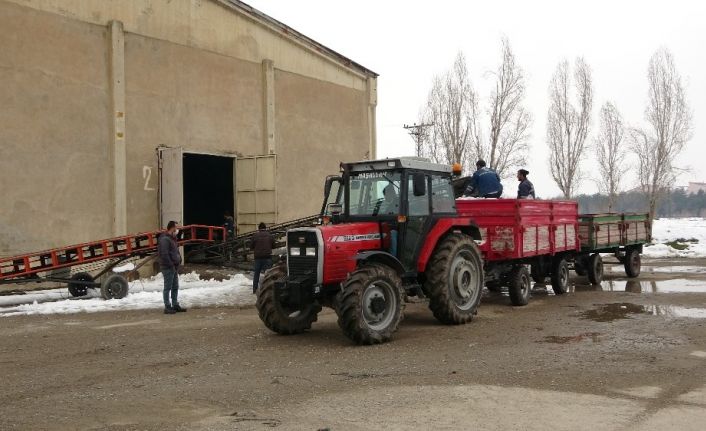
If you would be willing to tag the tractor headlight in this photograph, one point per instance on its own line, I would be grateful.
(295, 251)
(310, 251)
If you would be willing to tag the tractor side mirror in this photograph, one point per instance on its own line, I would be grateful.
(335, 209)
(419, 184)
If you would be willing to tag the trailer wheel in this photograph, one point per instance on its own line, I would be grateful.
(560, 276)
(275, 315)
(595, 268)
(77, 290)
(370, 305)
(632, 263)
(115, 286)
(520, 285)
(455, 280)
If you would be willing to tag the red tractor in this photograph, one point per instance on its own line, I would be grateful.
(390, 230)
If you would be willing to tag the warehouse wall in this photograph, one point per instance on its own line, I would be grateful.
(54, 125)
(178, 96)
(319, 125)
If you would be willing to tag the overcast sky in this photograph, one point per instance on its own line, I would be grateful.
(409, 42)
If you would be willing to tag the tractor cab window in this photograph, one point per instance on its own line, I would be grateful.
(442, 195)
(418, 202)
(374, 193)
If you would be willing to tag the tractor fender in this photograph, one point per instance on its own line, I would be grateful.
(380, 257)
(442, 228)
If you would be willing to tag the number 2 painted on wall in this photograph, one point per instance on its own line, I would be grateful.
(146, 175)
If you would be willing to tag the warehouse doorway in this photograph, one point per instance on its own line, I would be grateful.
(195, 188)
(208, 188)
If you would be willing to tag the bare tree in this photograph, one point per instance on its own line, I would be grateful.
(669, 128)
(568, 123)
(610, 152)
(507, 144)
(452, 109)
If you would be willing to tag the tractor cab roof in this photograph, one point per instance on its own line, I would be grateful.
(417, 163)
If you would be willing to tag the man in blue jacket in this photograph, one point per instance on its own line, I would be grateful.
(169, 261)
(485, 183)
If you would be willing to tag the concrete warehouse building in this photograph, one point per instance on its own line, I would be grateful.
(116, 114)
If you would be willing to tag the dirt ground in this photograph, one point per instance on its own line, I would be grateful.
(593, 359)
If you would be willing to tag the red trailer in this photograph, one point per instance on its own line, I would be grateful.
(520, 232)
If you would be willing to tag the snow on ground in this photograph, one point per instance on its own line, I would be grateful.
(666, 230)
(143, 294)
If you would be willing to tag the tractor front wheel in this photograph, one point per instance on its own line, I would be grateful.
(455, 280)
(275, 315)
(370, 305)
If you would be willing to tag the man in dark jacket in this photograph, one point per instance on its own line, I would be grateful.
(484, 183)
(262, 243)
(169, 261)
(525, 190)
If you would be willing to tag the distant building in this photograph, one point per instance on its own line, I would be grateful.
(695, 188)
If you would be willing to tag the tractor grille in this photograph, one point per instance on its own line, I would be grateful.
(302, 264)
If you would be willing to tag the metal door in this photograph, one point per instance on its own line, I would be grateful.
(256, 198)
(171, 185)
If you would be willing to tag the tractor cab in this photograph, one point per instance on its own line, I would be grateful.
(403, 196)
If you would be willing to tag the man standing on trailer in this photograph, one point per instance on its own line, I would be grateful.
(169, 261)
(262, 243)
(485, 182)
(526, 189)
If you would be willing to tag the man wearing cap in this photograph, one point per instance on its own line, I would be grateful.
(485, 182)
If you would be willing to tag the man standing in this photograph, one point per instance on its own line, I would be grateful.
(525, 190)
(262, 243)
(485, 182)
(229, 225)
(169, 261)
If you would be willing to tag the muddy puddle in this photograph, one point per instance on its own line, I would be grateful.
(678, 285)
(626, 310)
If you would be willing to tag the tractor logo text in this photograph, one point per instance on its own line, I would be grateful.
(353, 238)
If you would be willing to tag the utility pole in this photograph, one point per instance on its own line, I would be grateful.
(417, 132)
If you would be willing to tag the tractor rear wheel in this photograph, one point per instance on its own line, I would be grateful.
(595, 269)
(520, 285)
(76, 289)
(632, 262)
(455, 279)
(560, 276)
(370, 305)
(278, 317)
